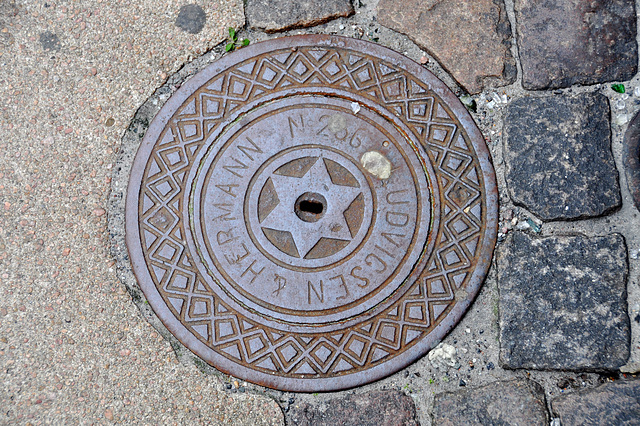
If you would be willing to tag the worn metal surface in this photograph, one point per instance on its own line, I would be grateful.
(631, 158)
(311, 213)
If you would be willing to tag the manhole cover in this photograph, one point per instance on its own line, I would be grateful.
(311, 213)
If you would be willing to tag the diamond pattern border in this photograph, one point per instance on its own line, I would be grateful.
(354, 349)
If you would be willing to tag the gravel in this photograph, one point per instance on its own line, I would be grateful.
(73, 348)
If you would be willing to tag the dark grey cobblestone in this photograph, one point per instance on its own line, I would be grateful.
(631, 159)
(388, 408)
(563, 302)
(516, 402)
(558, 155)
(567, 42)
(614, 404)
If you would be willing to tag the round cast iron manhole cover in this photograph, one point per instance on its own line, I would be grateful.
(311, 213)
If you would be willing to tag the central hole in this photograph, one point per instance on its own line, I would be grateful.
(311, 206)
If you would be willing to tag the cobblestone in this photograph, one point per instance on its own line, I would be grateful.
(280, 15)
(563, 302)
(470, 39)
(370, 409)
(560, 165)
(616, 403)
(566, 42)
(493, 404)
(631, 159)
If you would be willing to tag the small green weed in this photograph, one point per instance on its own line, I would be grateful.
(407, 388)
(619, 88)
(470, 103)
(234, 43)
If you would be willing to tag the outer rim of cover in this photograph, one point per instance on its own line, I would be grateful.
(133, 238)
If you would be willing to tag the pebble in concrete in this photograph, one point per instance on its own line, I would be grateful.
(376, 408)
(471, 40)
(558, 155)
(281, 15)
(566, 42)
(616, 403)
(563, 302)
(191, 18)
(514, 402)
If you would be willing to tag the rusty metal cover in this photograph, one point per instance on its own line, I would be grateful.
(311, 213)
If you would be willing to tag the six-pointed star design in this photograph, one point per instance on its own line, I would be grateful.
(331, 225)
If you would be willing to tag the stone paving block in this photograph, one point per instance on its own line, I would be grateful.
(558, 155)
(567, 42)
(631, 158)
(514, 402)
(281, 15)
(616, 403)
(471, 40)
(563, 302)
(377, 408)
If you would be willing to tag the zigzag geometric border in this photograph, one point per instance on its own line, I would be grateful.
(312, 361)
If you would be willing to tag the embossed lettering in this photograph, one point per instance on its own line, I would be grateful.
(381, 262)
(340, 134)
(225, 237)
(358, 277)
(227, 189)
(397, 219)
(237, 258)
(239, 165)
(389, 237)
(337, 125)
(281, 282)
(254, 272)
(293, 124)
(312, 288)
(226, 208)
(400, 191)
(343, 284)
(356, 140)
(256, 149)
(391, 255)
(326, 125)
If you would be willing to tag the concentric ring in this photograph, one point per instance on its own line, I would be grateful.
(419, 150)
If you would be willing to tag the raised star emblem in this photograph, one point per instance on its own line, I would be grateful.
(309, 218)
